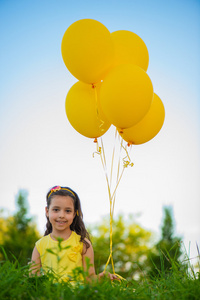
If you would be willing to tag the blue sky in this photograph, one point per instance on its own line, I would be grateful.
(39, 148)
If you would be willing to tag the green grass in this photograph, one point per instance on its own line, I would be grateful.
(15, 283)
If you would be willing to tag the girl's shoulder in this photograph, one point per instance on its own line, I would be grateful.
(86, 245)
(43, 243)
(43, 239)
(88, 241)
(76, 237)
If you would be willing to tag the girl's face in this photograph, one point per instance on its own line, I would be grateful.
(61, 212)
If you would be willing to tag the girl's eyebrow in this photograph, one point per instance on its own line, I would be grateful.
(59, 207)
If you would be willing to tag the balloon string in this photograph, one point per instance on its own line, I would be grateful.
(113, 155)
(101, 151)
(101, 122)
(112, 196)
(103, 160)
(118, 170)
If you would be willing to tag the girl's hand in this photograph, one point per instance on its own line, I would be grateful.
(108, 275)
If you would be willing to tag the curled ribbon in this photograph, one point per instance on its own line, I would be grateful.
(126, 160)
(98, 150)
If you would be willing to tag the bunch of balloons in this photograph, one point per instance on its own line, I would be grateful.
(113, 86)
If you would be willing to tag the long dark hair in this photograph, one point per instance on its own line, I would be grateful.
(77, 225)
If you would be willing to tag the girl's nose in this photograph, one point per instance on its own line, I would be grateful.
(62, 214)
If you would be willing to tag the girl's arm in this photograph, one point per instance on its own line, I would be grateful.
(35, 262)
(89, 253)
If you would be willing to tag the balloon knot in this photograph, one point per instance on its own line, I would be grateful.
(93, 86)
(121, 131)
(95, 140)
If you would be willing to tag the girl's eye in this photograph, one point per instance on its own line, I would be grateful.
(55, 209)
(68, 211)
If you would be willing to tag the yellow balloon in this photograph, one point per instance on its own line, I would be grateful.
(130, 48)
(84, 112)
(126, 95)
(87, 50)
(149, 126)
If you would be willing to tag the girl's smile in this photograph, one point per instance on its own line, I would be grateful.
(61, 222)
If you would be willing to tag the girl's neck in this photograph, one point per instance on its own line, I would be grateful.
(59, 234)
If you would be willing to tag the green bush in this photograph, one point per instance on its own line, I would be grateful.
(18, 233)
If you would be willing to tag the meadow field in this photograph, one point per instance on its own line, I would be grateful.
(16, 283)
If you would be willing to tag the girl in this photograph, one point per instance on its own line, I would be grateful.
(64, 221)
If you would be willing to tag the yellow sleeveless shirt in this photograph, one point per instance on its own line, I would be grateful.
(62, 261)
